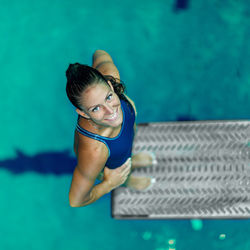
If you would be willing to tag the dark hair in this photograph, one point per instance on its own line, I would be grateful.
(80, 76)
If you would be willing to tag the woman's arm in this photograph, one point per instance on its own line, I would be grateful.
(103, 62)
(91, 160)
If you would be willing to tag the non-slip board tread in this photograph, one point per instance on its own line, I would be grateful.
(203, 171)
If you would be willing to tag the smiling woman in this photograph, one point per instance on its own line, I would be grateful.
(105, 129)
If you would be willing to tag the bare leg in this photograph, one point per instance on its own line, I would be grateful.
(141, 159)
(137, 182)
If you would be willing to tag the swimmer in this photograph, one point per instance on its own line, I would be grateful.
(104, 133)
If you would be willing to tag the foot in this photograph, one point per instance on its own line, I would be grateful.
(138, 183)
(142, 159)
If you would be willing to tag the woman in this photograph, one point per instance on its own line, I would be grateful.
(104, 133)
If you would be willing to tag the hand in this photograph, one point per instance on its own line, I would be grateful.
(116, 177)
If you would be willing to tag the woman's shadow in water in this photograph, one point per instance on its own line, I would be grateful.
(45, 163)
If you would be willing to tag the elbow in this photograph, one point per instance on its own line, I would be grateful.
(99, 50)
(77, 205)
(74, 203)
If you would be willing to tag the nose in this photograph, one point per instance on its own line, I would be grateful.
(109, 109)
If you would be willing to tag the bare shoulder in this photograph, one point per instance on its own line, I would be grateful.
(91, 156)
(86, 145)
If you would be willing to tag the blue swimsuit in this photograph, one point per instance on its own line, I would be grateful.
(120, 147)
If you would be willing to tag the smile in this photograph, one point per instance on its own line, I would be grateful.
(114, 116)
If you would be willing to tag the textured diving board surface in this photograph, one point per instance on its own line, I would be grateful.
(203, 171)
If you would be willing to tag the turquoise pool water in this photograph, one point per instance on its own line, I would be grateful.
(178, 61)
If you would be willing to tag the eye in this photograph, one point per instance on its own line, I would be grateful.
(110, 95)
(94, 109)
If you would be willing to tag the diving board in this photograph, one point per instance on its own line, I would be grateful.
(203, 171)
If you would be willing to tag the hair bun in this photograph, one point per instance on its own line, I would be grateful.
(71, 72)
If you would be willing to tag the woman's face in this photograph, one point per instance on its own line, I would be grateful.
(102, 105)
